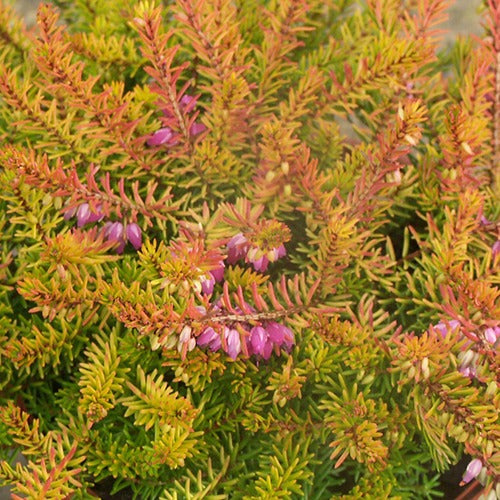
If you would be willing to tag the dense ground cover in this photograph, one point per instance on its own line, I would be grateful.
(249, 250)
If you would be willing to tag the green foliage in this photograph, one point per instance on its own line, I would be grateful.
(283, 279)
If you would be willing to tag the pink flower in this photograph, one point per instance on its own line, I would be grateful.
(134, 235)
(279, 252)
(258, 339)
(233, 342)
(268, 350)
(197, 128)
(96, 216)
(491, 334)
(468, 371)
(218, 272)
(264, 339)
(444, 327)
(114, 232)
(260, 264)
(472, 471)
(164, 135)
(187, 102)
(207, 285)
(83, 214)
(210, 338)
(279, 333)
(239, 247)
(236, 248)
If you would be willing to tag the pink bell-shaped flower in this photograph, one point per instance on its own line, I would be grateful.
(491, 334)
(163, 135)
(218, 272)
(278, 333)
(258, 339)
(280, 251)
(197, 128)
(114, 232)
(444, 327)
(83, 214)
(134, 235)
(267, 350)
(236, 248)
(97, 215)
(233, 342)
(260, 264)
(210, 338)
(472, 471)
(207, 285)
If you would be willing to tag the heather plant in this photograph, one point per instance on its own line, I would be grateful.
(250, 249)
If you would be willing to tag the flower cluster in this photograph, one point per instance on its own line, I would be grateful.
(167, 136)
(260, 340)
(235, 336)
(240, 248)
(468, 357)
(115, 232)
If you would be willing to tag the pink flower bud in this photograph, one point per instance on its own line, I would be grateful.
(120, 247)
(278, 333)
(280, 252)
(97, 215)
(267, 350)
(233, 342)
(472, 471)
(83, 214)
(260, 264)
(115, 232)
(134, 235)
(490, 334)
(444, 327)
(185, 334)
(209, 338)
(162, 136)
(258, 339)
(218, 272)
(69, 213)
(106, 228)
(207, 286)
(236, 248)
(197, 128)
